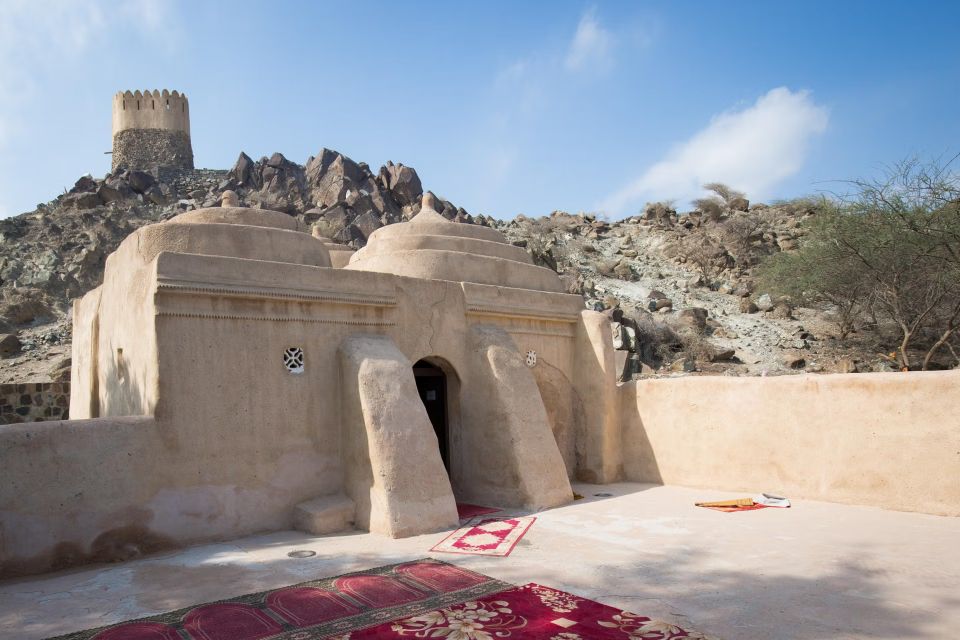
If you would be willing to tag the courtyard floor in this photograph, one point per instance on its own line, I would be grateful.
(816, 570)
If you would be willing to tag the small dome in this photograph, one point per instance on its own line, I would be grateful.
(236, 232)
(431, 247)
(230, 213)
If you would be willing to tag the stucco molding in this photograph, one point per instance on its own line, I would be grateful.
(274, 318)
(294, 295)
(525, 314)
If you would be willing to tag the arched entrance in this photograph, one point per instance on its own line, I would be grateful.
(432, 386)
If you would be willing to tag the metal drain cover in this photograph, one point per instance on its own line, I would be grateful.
(301, 553)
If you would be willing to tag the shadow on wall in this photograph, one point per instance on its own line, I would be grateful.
(120, 393)
(561, 401)
(644, 458)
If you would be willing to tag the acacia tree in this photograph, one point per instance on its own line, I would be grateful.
(891, 249)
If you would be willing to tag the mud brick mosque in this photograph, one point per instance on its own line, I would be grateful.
(236, 373)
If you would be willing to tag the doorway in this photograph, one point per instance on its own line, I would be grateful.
(432, 386)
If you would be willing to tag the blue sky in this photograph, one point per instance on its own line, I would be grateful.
(502, 107)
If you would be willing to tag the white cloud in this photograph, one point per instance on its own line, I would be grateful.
(592, 45)
(752, 150)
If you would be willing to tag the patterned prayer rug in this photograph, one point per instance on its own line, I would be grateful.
(531, 612)
(326, 608)
(467, 511)
(486, 537)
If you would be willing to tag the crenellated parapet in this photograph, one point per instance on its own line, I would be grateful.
(151, 128)
(168, 110)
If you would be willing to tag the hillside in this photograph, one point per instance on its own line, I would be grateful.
(677, 286)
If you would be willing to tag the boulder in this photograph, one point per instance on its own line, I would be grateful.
(782, 310)
(661, 304)
(765, 302)
(367, 223)
(739, 204)
(85, 184)
(140, 181)
(108, 194)
(795, 360)
(243, 172)
(403, 182)
(155, 195)
(623, 271)
(684, 365)
(846, 365)
(695, 318)
(10, 345)
(748, 306)
(722, 355)
(81, 201)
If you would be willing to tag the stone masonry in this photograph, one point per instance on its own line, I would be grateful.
(34, 402)
(148, 148)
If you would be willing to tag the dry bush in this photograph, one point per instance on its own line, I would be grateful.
(724, 192)
(740, 234)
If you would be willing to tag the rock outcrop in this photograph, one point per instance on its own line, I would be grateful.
(679, 284)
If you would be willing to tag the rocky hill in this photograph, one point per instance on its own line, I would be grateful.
(677, 286)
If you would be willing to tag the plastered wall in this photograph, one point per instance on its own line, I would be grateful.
(151, 110)
(889, 440)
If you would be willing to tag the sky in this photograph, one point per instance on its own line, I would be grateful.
(502, 107)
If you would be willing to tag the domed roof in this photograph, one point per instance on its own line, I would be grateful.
(232, 231)
(230, 212)
(431, 247)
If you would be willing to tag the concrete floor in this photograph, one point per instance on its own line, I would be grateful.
(817, 570)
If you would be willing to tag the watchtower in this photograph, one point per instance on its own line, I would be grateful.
(151, 129)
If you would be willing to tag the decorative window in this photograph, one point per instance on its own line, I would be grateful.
(531, 358)
(293, 360)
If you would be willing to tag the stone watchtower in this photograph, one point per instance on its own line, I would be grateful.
(151, 129)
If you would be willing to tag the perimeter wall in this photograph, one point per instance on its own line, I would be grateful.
(889, 440)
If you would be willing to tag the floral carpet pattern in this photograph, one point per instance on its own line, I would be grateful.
(421, 599)
(486, 537)
(531, 612)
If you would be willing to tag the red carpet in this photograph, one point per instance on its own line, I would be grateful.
(421, 599)
(531, 612)
(486, 537)
(467, 511)
(319, 609)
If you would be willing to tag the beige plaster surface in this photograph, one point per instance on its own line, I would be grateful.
(815, 571)
(434, 248)
(890, 440)
(189, 328)
(394, 472)
(151, 110)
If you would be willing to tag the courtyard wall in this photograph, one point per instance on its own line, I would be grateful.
(34, 401)
(889, 440)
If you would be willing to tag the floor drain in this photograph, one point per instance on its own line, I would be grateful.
(603, 495)
(301, 553)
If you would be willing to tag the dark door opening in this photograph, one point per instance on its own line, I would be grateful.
(432, 386)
